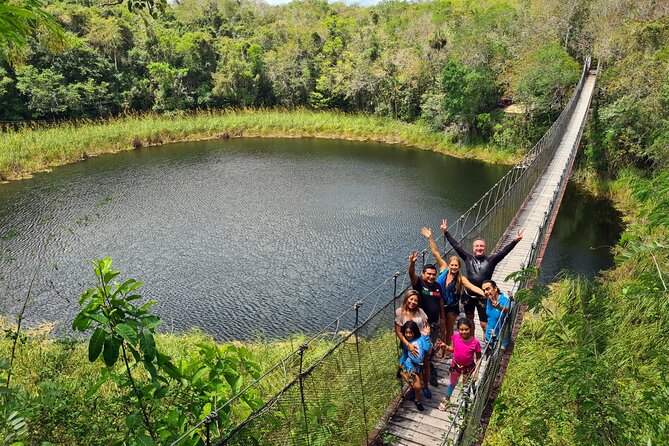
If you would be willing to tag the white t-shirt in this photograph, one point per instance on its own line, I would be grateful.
(419, 317)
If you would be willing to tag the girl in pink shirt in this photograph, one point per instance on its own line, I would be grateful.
(465, 348)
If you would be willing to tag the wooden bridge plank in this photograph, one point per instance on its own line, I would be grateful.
(403, 442)
(423, 424)
(417, 436)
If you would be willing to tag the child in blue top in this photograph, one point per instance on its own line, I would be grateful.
(410, 364)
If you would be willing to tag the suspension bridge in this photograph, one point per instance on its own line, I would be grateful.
(338, 387)
(536, 217)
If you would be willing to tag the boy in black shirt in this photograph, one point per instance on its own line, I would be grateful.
(432, 303)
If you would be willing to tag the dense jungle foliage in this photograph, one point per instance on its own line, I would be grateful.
(590, 364)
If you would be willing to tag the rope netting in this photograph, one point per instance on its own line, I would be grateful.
(337, 399)
(338, 384)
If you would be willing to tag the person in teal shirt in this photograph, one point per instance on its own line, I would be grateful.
(497, 308)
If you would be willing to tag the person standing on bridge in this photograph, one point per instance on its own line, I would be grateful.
(479, 268)
(466, 351)
(410, 311)
(412, 364)
(452, 281)
(432, 303)
(497, 308)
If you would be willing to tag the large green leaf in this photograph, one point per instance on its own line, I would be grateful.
(161, 392)
(127, 286)
(237, 384)
(144, 440)
(95, 344)
(171, 370)
(128, 333)
(200, 374)
(133, 421)
(147, 345)
(148, 304)
(86, 295)
(111, 350)
(97, 317)
(81, 322)
(148, 365)
(110, 275)
(135, 353)
(151, 322)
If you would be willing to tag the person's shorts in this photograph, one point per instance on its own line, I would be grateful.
(452, 309)
(435, 332)
(455, 367)
(478, 304)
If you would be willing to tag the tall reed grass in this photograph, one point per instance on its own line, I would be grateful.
(37, 148)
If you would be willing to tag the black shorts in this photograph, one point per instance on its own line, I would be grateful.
(452, 309)
(478, 303)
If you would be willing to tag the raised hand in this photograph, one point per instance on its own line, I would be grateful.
(413, 257)
(427, 232)
(444, 225)
(519, 235)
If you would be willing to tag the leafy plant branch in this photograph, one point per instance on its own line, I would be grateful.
(121, 329)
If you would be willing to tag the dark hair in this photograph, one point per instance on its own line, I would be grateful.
(429, 266)
(491, 282)
(467, 322)
(411, 325)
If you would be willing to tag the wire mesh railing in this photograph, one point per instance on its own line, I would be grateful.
(336, 400)
(365, 325)
(336, 386)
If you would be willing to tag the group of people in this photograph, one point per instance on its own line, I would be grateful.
(425, 321)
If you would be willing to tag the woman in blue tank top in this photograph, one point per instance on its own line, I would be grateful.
(454, 284)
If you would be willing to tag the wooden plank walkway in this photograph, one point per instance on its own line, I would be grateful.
(538, 203)
(429, 428)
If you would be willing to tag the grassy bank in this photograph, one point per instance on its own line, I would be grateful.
(28, 150)
(590, 364)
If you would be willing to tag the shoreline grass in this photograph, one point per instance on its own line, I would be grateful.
(28, 150)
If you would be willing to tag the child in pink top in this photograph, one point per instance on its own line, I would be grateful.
(465, 348)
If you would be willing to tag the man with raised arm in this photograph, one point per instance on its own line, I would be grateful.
(479, 268)
(432, 303)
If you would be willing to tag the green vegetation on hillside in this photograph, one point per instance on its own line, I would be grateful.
(407, 61)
